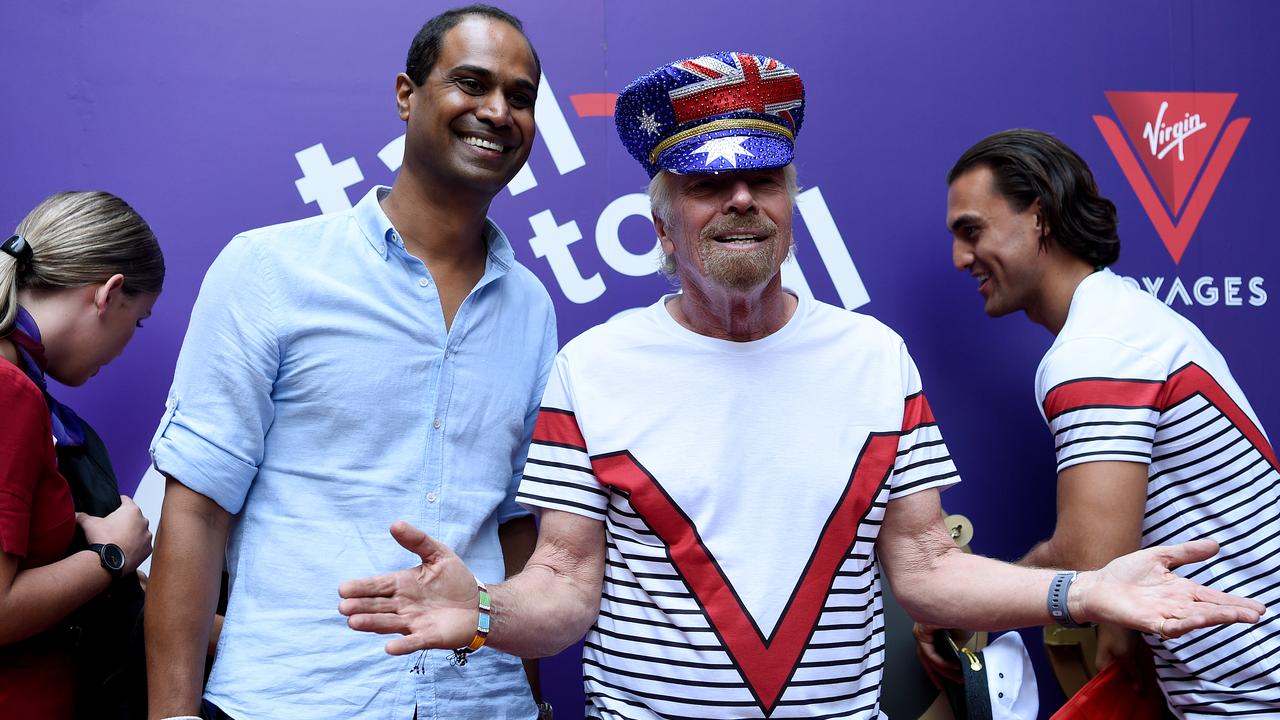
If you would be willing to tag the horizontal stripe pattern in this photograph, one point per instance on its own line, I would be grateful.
(558, 472)
(653, 643)
(654, 652)
(922, 462)
(1211, 474)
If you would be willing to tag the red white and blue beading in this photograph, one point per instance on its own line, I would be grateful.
(712, 113)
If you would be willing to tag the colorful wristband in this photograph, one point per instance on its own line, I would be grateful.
(482, 627)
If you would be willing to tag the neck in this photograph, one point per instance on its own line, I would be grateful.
(54, 312)
(733, 315)
(1057, 289)
(439, 225)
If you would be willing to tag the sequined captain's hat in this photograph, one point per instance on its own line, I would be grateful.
(714, 113)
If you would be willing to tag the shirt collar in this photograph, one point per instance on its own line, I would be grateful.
(379, 231)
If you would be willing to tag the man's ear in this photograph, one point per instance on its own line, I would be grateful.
(668, 247)
(107, 293)
(404, 89)
(1042, 226)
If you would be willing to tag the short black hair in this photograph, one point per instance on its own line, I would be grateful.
(425, 49)
(1031, 165)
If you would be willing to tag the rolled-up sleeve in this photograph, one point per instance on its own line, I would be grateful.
(219, 408)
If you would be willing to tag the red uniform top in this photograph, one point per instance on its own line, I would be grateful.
(37, 523)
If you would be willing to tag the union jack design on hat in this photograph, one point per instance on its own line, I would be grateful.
(714, 113)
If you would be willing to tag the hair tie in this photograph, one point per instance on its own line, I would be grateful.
(18, 248)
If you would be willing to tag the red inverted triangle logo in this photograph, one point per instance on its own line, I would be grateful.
(1172, 136)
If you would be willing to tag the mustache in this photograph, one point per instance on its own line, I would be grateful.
(754, 224)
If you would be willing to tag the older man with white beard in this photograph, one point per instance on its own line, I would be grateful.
(722, 476)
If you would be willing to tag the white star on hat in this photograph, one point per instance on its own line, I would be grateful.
(725, 148)
(648, 122)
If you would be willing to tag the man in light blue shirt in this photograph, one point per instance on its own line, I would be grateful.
(343, 372)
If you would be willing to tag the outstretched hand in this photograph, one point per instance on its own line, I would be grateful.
(434, 605)
(1139, 591)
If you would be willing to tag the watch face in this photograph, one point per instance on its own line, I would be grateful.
(113, 557)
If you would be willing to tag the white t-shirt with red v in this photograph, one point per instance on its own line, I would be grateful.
(742, 486)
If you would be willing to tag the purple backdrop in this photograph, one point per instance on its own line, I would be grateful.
(214, 118)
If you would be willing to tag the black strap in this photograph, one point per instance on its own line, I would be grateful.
(970, 699)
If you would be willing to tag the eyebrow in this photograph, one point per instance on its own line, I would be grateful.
(487, 74)
(962, 220)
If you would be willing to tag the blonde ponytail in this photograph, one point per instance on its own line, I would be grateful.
(77, 239)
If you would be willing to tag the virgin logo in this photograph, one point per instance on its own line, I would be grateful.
(1171, 186)
(1171, 136)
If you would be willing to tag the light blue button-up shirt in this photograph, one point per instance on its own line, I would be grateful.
(318, 397)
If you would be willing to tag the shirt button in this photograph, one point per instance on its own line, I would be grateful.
(431, 497)
(436, 424)
(423, 282)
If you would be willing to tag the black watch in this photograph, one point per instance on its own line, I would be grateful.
(111, 557)
(544, 711)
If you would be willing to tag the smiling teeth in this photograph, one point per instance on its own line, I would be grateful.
(481, 143)
(737, 238)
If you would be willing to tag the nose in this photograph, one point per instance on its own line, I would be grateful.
(494, 109)
(961, 254)
(740, 198)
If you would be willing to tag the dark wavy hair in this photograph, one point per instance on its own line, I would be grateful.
(1030, 165)
(425, 49)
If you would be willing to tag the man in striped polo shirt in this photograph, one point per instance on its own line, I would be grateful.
(723, 476)
(1155, 441)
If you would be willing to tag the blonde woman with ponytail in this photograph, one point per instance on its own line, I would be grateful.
(79, 275)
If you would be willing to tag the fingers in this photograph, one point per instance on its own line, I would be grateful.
(391, 624)
(368, 606)
(927, 664)
(380, 623)
(936, 665)
(414, 540)
(1205, 616)
(376, 586)
(1217, 597)
(406, 645)
(1173, 556)
(923, 633)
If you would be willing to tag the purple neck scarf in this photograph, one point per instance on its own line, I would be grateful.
(68, 429)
